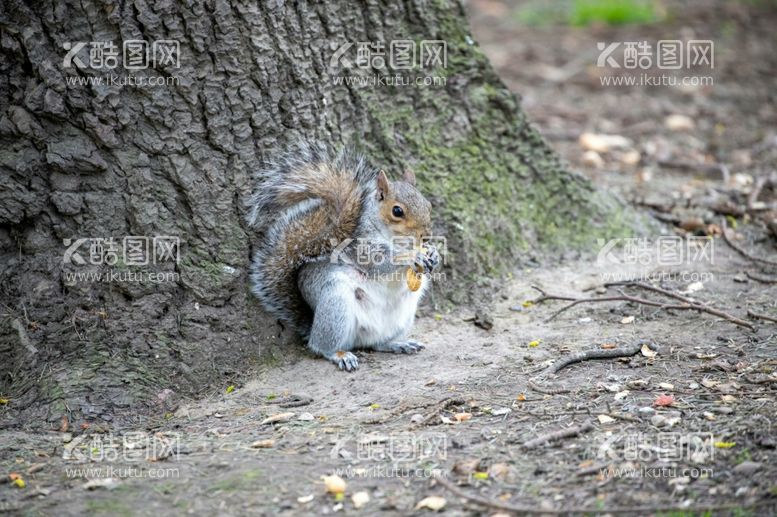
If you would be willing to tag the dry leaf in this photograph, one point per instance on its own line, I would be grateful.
(280, 417)
(608, 346)
(666, 386)
(603, 143)
(647, 352)
(360, 499)
(663, 401)
(605, 419)
(107, 483)
(709, 383)
(592, 159)
(432, 502)
(462, 417)
(334, 484)
(499, 470)
(521, 397)
(263, 444)
(627, 320)
(679, 123)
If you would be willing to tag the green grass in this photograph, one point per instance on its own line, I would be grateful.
(581, 13)
(611, 12)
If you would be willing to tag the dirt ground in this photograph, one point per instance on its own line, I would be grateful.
(689, 423)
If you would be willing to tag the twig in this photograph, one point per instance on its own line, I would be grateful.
(547, 390)
(706, 168)
(762, 279)
(756, 316)
(534, 510)
(741, 250)
(688, 304)
(292, 401)
(557, 435)
(597, 353)
(760, 183)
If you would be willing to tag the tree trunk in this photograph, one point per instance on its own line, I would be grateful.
(98, 161)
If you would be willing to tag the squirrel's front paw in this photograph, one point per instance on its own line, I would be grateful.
(428, 259)
(345, 360)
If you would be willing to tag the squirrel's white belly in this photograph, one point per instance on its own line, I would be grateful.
(384, 312)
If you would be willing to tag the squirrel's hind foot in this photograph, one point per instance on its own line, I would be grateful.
(345, 360)
(401, 347)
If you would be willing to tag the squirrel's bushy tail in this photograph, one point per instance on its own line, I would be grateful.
(307, 200)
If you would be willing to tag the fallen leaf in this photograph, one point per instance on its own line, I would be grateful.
(603, 143)
(534, 343)
(724, 445)
(466, 466)
(499, 470)
(305, 499)
(627, 320)
(230, 389)
(433, 502)
(608, 346)
(527, 304)
(621, 395)
(666, 386)
(280, 417)
(480, 475)
(647, 352)
(592, 159)
(605, 419)
(374, 406)
(663, 400)
(521, 397)
(334, 484)
(106, 483)
(679, 123)
(631, 158)
(359, 499)
(263, 444)
(692, 288)
(3, 401)
(709, 383)
(728, 398)
(462, 417)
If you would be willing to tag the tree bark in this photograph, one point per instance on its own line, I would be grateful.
(86, 161)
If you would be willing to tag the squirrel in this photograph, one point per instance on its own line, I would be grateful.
(320, 211)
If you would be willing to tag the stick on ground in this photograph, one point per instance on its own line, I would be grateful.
(598, 353)
(739, 249)
(645, 510)
(557, 435)
(687, 305)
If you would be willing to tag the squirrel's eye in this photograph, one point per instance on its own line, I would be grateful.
(397, 211)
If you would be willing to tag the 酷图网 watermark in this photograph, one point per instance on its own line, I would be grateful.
(125, 254)
(665, 55)
(663, 252)
(396, 63)
(398, 251)
(130, 56)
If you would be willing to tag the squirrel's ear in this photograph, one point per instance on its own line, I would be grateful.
(383, 186)
(409, 177)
